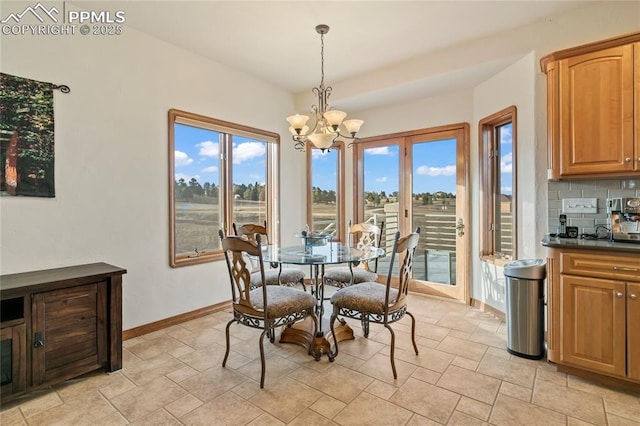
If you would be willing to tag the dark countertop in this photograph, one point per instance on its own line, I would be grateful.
(582, 244)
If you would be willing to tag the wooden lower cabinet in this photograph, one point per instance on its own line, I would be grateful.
(633, 327)
(59, 323)
(593, 324)
(594, 313)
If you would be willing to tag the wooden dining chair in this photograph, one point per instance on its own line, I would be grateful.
(380, 303)
(267, 306)
(369, 235)
(276, 276)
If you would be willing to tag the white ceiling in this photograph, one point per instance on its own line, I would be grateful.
(276, 41)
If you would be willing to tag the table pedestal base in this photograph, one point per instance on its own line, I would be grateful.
(301, 333)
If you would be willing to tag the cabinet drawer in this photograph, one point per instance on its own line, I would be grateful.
(619, 267)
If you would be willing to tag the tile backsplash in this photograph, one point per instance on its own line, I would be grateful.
(600, 189)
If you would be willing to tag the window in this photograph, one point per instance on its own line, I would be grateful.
(325, 190)
(220, 173)
(498, 186)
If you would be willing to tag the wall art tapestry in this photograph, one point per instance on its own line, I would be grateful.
(26, 137)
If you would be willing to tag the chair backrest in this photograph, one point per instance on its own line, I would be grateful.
(250, 230)
(370, 235)
(402, 245)
(236, 250)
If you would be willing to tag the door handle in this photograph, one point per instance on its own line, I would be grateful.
(460, 227)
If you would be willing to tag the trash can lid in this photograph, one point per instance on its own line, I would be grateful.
(534, 269)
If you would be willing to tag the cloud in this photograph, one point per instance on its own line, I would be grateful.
(208, 149)
(507, 190)
(181, 159)
(382, 179)
(383, 150)
(506, 134)
(317, 153)
(436, 171)
(247, 151)
(210, 169)
(506, 163)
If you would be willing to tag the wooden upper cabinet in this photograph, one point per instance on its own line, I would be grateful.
(593, 124)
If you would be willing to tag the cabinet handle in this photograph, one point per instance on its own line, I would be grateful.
(38, 341)
(622, 268)
(633, 296)
(627, 159)
(618, 294)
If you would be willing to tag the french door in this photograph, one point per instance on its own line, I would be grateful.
(419, 179)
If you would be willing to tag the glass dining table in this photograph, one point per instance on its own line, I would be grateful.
(317, 257)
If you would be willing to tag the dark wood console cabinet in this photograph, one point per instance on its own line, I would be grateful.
(59, 323)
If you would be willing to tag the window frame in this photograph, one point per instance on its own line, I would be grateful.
(489, 169)
(339, 147)
(227, 131)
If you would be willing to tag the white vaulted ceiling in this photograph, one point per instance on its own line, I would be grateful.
(378, 52)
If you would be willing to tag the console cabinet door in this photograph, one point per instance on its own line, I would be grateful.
(13, 356)
(596, 113)
(633, 331)
(593, 324)
(69, 332)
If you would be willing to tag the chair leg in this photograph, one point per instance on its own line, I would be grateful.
(393, 347)
(304, 287)
(413, 332)
(262, 357)
(365, 325)
(226, 354)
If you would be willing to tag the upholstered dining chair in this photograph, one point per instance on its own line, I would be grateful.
(279, 276)
(267, 306)
(379, 303)
(369, 235)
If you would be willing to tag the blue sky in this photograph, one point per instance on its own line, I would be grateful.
(197, 153)
(434, 166)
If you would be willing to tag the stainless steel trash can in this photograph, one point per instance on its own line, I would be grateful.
(525, 307)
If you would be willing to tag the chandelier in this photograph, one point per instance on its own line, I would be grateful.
(329, 124)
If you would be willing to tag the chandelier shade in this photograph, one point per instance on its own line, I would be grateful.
(329, 123)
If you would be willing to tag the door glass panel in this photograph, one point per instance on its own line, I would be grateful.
(381, 167)
(434, 210)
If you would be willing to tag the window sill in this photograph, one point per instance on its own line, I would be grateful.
(495, 260)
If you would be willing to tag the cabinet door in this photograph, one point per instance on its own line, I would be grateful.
(13, 359)
(69, 333)
(596, 113)
(593, 324)
(633, 331)
(636, 73)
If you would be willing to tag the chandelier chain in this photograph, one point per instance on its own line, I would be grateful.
(322, 60)
(322, 133)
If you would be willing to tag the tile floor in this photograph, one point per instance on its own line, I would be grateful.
(463, 376)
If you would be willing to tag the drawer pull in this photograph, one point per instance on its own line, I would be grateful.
(633, 296)
(618, 294)
(622, 268)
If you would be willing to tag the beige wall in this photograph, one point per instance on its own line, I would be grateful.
(111, 175)
(521, 84)
(111, 148)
